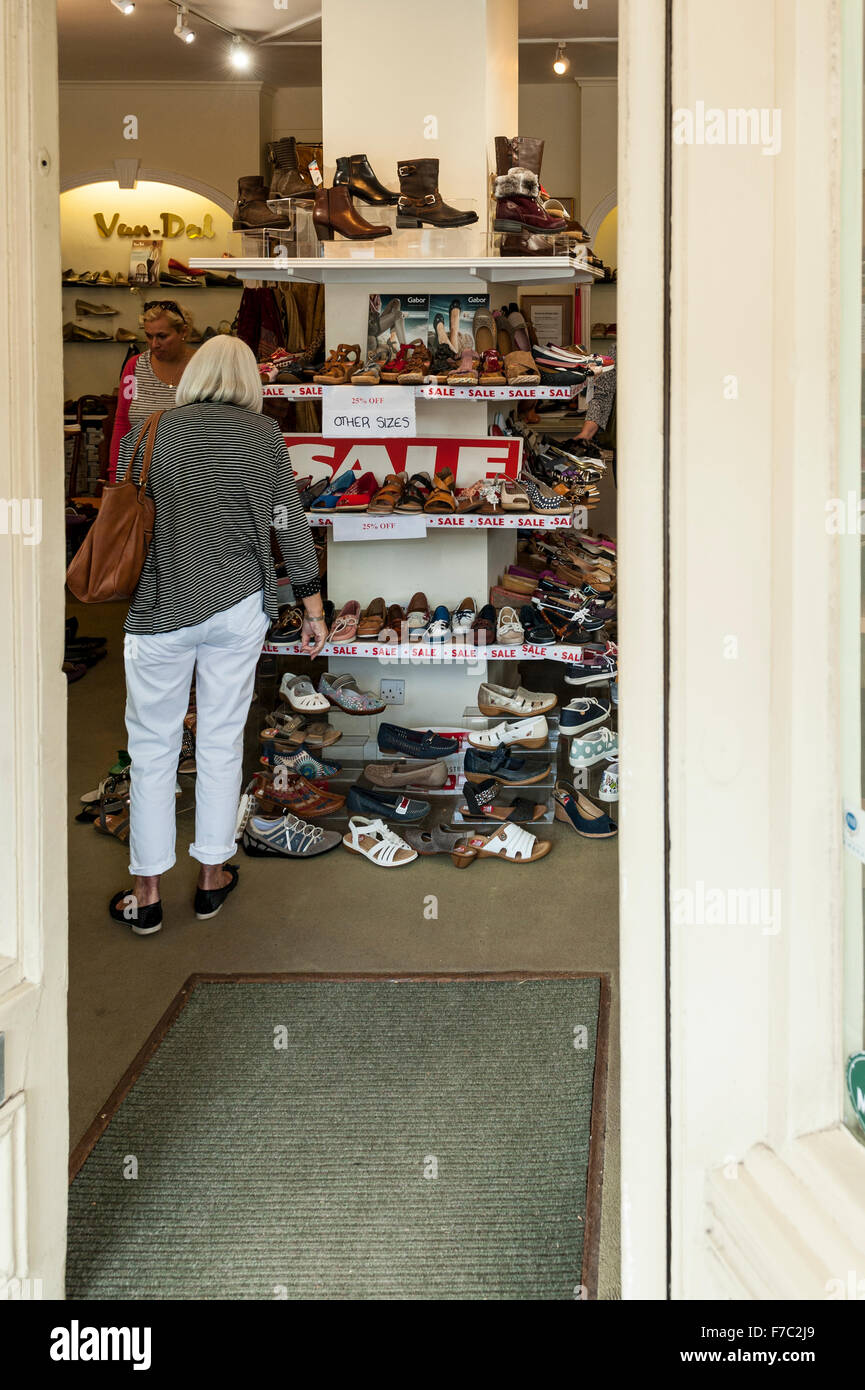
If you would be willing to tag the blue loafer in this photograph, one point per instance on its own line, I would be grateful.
(411, 743)
(371, 801)
(587, 819)
(503, 766)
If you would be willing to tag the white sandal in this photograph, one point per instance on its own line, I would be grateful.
(302, 695)
(524, 733)
(510, 842)
(377, 843)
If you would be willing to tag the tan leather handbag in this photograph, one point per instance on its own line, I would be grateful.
(108, 565)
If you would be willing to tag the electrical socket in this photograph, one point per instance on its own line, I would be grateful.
(393, 692)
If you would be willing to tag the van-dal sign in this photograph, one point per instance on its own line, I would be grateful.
(173, 225)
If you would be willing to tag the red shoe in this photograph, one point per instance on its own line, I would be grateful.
(391, 370)
(358, 497)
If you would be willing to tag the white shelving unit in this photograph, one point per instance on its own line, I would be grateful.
(359, 265)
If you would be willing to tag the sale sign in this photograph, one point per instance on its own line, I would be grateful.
(468, 459)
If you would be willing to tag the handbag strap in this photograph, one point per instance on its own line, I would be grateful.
(149, 428)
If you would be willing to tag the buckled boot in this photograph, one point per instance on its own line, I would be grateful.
(335, 212)
(356, 172)
(287, 180)
(420, 200)
(518, 207)
(251, 210)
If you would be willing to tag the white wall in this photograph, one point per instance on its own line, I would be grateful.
(551, 111)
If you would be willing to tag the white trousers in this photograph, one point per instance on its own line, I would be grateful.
(222, 652)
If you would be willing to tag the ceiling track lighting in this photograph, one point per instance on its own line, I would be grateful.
(561, 63)
(182, 30)
(124, 6)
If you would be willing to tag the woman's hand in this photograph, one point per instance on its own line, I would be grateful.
(313, 635)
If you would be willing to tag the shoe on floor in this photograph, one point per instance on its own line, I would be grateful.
(144, 921)
(377, 843)
(209, 901)
(287, 837)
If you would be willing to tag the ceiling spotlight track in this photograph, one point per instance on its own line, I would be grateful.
(124, 6)
(561, 63)
(182, 30)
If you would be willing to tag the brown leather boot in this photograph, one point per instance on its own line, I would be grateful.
(335, 212)
(524, 151)
(287, 179)
(306, 154)
(420, 200)
(251, 210)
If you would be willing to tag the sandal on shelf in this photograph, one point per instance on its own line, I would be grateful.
(370, 373)
(514, 497)
(492, 370)
(510, 843)
(389, 494)
(391, 370)
(302, 695)
(466, 373)
(521, 369)
(377, 843)
(358, 497)
(504, 336)
(338, 368)
(481, 804)
(343, 692)
(417, 364)
(442, 499)
(417, 490)
(469, 499)
(344, 628)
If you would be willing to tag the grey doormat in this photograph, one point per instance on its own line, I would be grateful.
(352, 1137)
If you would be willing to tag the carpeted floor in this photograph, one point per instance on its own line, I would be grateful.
(335, 915)
(358, 1139)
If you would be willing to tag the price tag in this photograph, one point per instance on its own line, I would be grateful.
(363, 527)
(353, 411)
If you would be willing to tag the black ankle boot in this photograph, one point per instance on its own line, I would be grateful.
(356, 171)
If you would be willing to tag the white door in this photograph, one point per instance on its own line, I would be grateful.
(33, 1091)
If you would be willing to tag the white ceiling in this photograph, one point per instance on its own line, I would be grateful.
(97, 42)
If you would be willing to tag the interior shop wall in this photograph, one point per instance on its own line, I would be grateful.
(206, 131)
(552, 113)
(598, 141)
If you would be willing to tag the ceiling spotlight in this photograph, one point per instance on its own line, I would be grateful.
(124, 6)
(560, 63)
(238, 54)
(181, 28)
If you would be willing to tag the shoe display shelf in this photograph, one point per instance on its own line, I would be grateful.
(430, 391)
(360, 265)
(478, 521)
(409, 654)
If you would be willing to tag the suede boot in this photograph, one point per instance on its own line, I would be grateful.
(419, 198)
(251, 210)
(517, 205)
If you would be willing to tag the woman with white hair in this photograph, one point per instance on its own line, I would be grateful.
(220, 476)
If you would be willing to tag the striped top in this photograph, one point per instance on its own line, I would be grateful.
(220, 477)
(141, 392)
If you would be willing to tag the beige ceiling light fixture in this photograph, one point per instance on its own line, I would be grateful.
(124, 6)
(561, 63)
(239, 55)
(182, 30)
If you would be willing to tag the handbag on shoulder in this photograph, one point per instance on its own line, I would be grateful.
(109, 563)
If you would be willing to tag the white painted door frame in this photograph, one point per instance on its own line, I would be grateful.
(33, 920)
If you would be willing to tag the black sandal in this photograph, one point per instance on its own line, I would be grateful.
(144, 921)
(208, 901)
